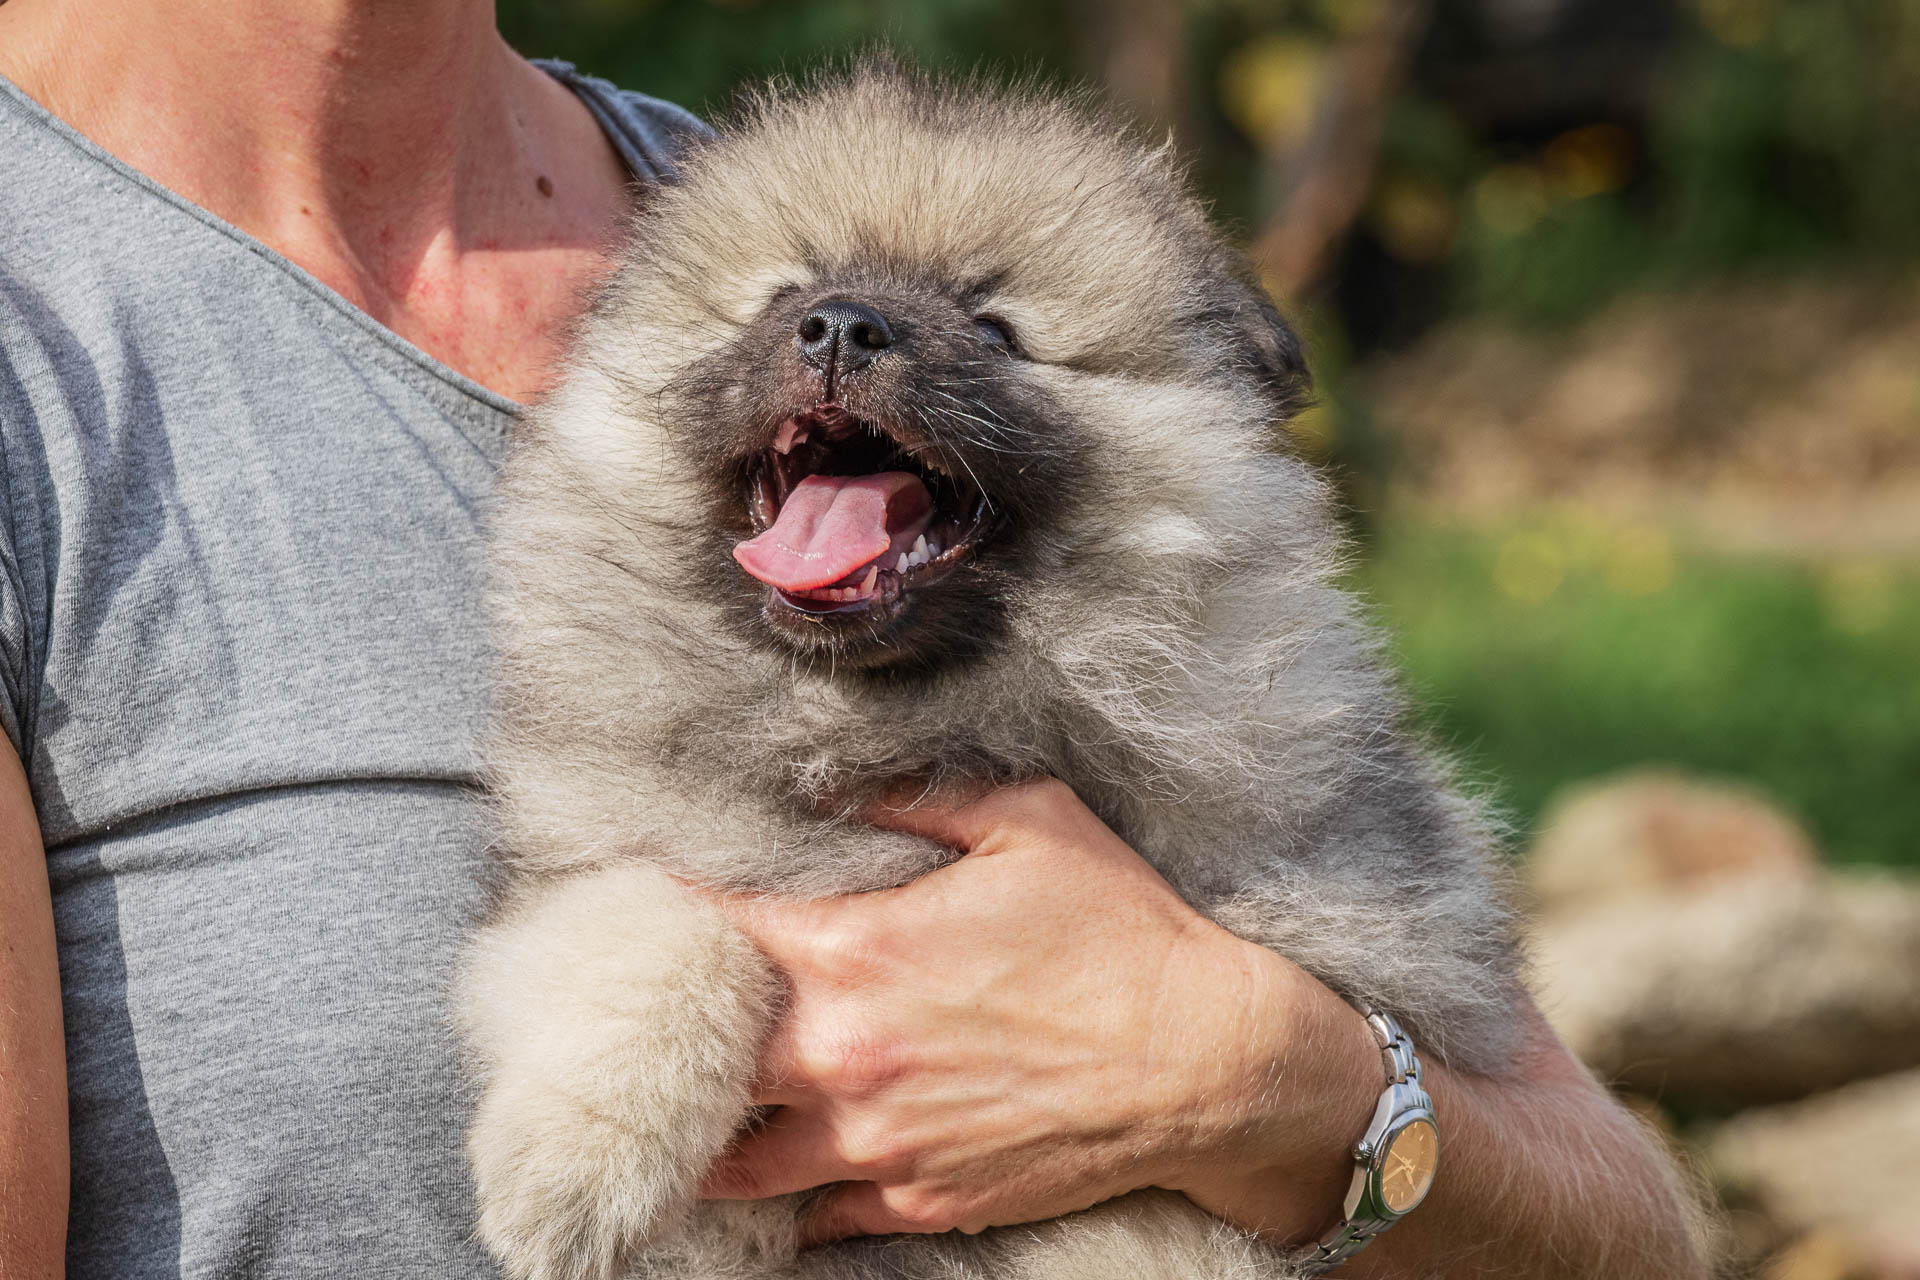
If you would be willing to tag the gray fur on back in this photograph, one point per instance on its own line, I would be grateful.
(1174, 646)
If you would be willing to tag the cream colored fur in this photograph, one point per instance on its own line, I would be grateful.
(1173, 645)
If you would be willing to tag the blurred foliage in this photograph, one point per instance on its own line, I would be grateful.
(1567, 648)
(1778, 131)
(697, 52)
(1541, 156)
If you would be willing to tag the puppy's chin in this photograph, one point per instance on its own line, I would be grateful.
(871, 548)
(920, 633)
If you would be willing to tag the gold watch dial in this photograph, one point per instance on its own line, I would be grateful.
(1413, 1156)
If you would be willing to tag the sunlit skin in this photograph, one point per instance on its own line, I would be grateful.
(402, 154)
(1039, 1026)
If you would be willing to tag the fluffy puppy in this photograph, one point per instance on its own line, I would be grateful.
(928, 436)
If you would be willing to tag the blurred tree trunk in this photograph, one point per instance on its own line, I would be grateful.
(1136, 49)
(1325, 180)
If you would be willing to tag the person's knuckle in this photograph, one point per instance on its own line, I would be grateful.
(869, 1065)
(847, 952)
(919, 1208)
(874, 1147)
(816, 1054)
(845, 1061)
(1050, 793)
(1037, 805)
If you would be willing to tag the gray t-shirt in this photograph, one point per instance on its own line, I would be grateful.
(245, 665)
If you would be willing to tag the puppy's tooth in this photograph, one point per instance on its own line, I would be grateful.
(903, 565)
(920, 546)
(873, 576)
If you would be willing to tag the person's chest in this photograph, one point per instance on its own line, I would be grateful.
(248, 534)
(497, 312)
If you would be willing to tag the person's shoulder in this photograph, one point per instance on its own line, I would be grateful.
(649, 132)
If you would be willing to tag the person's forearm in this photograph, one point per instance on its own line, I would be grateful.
(1545, 1177)
(33, 1087)
(1541, 1173)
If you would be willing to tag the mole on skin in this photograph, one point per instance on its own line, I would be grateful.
(545, 184)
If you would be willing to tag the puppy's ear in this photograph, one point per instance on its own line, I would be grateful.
(1273, 350)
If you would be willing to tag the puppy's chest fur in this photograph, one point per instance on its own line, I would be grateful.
(1248, 746)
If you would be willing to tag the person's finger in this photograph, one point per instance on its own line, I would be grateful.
(791, 1152)
(781, 1093)
(855, 1209)
(970, 825)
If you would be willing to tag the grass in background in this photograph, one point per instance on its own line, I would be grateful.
(1559, 650)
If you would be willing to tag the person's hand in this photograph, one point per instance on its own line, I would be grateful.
(1036, 1028)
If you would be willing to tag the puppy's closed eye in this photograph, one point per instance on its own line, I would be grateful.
(996, 332)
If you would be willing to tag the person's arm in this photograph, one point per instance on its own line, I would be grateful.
(1542, 1173)
(33, 1072)
(1044, 1025)
(1545, 1175)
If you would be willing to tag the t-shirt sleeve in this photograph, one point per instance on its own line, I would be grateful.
(648, 132)
(13, 648)
(14, 660)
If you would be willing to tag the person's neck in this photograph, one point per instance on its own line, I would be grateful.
(381, 144)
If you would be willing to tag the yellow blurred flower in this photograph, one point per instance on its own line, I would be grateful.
(1511, 198)
(1348, 17)
(1588, 161)
(1640, 562)
(1742, 23)
(1414, 219)
(1529, 567)
(1268, 89)
(1859, 596)
(1313, 429)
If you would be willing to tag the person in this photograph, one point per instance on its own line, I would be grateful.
(275, 279)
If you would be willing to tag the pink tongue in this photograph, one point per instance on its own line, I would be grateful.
(831, 526)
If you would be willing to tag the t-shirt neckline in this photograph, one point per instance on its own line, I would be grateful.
(582, 87)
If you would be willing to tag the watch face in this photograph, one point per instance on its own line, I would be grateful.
(1413, 1154)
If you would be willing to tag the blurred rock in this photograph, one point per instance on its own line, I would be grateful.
(1766, 413)
(1834, 1255)
(1660, 831)
(1752, 990)
(1841, 1170)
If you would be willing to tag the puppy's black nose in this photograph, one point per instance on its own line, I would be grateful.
(838, 337)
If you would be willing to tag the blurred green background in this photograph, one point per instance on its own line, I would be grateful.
(1616, 310)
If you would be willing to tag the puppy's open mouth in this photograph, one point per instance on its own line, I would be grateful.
(850, 519)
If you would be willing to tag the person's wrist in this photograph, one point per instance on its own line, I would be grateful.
(1273, 1152)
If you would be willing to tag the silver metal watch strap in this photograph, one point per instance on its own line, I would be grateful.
(1395, 1049)
(1355, 1234)
(1347, 1239)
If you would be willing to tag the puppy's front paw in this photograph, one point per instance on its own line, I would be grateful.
(619, 1020)
(563, 1195)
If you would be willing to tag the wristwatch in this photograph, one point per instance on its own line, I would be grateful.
(1394, 1161)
